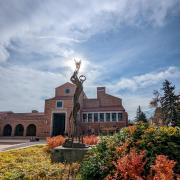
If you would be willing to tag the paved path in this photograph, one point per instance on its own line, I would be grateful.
(21, 145)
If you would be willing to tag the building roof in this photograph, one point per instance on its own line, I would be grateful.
(65, 84)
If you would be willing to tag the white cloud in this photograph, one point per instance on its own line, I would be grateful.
(131, 103)
(23, 89)
(3, 54)
(51, 26)
(148, 79)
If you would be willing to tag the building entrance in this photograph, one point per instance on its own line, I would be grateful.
(58, 127)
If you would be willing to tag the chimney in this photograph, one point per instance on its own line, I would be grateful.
(100, 91)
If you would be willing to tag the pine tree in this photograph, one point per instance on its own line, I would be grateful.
(169, 104)
(138, 113)
(140, 116)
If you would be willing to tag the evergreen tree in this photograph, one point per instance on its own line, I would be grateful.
(138, 112)
(155, 102)
(169, 104)
(140, 116)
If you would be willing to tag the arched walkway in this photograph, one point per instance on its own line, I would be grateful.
(19, 130)
(7, 130)
(31, 130)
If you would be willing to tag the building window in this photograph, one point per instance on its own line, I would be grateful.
(101, 117)
(89, 117)
(120, 116)
(67, 91)
(95, 117)
(84, 117)
(59, 104)
(113, 116)
(108, 116)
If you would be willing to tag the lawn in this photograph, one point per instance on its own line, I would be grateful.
(33, 163)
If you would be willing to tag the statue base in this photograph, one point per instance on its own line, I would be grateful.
(69, 152)
(68, 155)
(69, 143)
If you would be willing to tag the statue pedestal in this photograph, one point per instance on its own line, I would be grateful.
(69, 155)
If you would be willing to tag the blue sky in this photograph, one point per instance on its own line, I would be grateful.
(128, 46)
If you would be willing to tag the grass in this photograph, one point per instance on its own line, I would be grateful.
(34, 163)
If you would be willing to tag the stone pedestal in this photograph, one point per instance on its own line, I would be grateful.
(69, 155)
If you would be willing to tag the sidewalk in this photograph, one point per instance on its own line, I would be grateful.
(5, 146)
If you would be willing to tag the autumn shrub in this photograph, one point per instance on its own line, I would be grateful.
(162, 168)
(91, 140)
(55, 141)
(114, 153)
(130, 166)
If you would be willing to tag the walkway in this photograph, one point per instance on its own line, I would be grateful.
(15, 144)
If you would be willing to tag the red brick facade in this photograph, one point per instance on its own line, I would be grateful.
(103, 114)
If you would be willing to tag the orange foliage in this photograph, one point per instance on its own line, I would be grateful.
(131, 165)
(90, 140)
(132, 129)
(123, 148)
(55, 141)
(163, 168)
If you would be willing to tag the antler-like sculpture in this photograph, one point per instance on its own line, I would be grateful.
(78, 81)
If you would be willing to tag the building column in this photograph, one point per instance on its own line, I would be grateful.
(13, 130)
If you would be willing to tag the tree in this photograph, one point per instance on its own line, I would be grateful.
(156, 99)
(140, 116)
(169, 103)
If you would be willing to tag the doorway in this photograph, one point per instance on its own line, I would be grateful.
(58, 126)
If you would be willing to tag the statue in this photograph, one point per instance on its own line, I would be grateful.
(73, 121)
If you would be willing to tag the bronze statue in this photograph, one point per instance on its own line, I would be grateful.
(78, 81)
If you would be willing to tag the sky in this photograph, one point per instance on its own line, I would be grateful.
(130, 47)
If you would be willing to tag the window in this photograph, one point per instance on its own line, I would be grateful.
(67, 91)
(89, 117)
(59, 104)
(120, 116)
(102, 117)
(95, 117)
(107, 116)
(113, 116)
(84, 117)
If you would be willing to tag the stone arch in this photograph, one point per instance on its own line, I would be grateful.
(7, 131)
(19, 130)
(31, 130)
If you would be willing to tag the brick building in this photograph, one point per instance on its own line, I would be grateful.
(103, 114)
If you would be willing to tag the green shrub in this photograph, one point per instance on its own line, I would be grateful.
(100, 161)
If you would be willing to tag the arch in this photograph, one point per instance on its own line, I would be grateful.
(31, 130)
(7, 131)
(19, 130)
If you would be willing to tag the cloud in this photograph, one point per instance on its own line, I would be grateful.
(38, 41)
(3, 54)
(132, 101)
(148, 79)
(23, 89)
(54, 26)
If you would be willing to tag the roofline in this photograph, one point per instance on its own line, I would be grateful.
(64, 84)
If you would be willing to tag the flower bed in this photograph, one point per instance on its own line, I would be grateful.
(137, 152)
(34, 163)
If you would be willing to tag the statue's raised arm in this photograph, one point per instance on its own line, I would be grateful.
(78, 65)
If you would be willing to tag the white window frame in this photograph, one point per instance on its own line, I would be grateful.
(61, 102)
(104, 112)
(86, 120)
